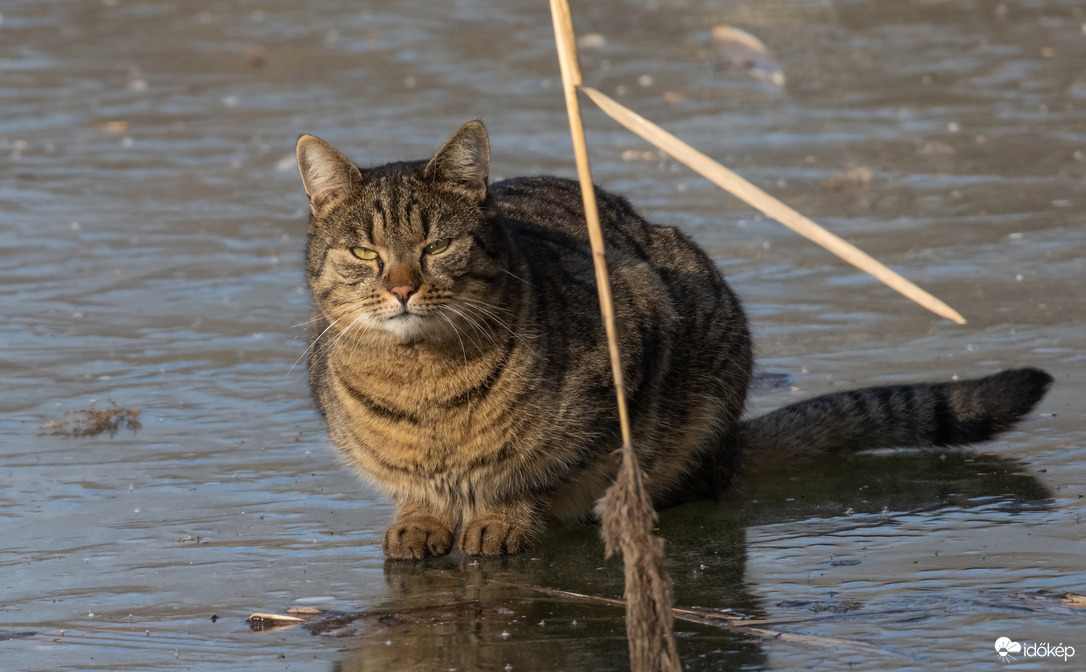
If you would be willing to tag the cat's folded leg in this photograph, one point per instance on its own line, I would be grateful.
(501, 529)
(420, 531)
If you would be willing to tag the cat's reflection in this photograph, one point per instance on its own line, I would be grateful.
(489, 614)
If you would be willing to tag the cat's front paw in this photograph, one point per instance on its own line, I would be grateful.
(417, 538)
(492, 534)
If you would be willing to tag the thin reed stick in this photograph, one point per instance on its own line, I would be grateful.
(571, 79)
(626, 512)
(760, 200)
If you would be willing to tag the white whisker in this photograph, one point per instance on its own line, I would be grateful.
(312, 344)
(474, 323)
(457, 332)
(477, 306)
(517, 277)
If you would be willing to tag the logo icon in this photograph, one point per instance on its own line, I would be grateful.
(1005, 647)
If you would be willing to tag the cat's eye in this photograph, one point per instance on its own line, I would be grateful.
(364, 253)
(437, 247)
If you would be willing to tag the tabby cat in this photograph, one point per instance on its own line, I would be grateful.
(458, 355)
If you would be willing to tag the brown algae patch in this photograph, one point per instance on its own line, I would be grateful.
(92, 421)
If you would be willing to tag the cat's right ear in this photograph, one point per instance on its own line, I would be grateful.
(328, 176)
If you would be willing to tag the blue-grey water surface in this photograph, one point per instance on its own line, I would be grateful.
(151, 233)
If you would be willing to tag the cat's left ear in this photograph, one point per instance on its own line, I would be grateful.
(464, 161)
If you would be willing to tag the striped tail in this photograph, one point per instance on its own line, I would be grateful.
(921, 415)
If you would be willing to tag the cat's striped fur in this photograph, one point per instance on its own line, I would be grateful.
(459, 358)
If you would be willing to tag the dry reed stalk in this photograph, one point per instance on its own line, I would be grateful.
(625, 511)
(755, 627)
(760, 200)
(273, 620)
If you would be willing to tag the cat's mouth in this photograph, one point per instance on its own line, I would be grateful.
(405, 313)
(404, 316)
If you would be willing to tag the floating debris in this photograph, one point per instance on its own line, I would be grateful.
(256, 56)
(1073, 599)
(936, 148)
(850, 179)
(1061, 597)
(591, 41)
(743, 52)
(261, 621)
(639, 155)
(113, 126)
(92, 421)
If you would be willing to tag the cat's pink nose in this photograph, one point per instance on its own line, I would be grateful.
(403, 292)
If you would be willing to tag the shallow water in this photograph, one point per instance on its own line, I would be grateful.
(151, 233)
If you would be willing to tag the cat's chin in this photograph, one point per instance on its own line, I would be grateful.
(407, 328)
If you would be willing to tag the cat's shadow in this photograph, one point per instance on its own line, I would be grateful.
(476, 613)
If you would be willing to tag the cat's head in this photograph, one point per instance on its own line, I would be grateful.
(407, 251)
